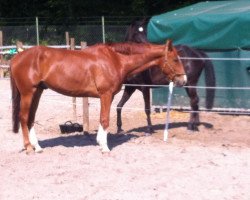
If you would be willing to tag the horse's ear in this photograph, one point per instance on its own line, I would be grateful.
(169, 45)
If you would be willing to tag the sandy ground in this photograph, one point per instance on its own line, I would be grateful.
(213, 163)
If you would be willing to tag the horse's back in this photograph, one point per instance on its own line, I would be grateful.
(73, 73)
(29, 57)
(185, 50)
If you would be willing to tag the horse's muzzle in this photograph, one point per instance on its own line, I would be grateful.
(180, 80)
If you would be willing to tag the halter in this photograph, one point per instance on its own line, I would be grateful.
(171, 78)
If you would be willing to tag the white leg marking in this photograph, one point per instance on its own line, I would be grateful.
(185, 78)
(34, 141)
(102, 139)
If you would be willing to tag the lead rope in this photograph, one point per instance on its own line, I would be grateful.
(170, 88)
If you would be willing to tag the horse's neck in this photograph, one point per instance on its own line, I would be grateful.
(139, 62)
(131, 48)
(156, 62)
(135, 57)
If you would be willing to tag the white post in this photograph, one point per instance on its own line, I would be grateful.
(170, 87)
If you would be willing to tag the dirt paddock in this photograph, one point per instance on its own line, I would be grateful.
(213, 163)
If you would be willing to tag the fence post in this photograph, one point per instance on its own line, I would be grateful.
(1, 56)
(85, 104)
(72, 47)
(37, 31)
(103, 29)
(19, 46)
(67, 39)
(1, 44)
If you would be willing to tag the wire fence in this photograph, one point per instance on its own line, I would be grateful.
(90, 30)
(100, 29)
(181, 101)
(53, 98)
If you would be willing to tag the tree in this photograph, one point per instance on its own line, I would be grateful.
(55, 9)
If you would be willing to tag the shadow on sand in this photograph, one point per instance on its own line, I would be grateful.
(80, 140)
(171, 126)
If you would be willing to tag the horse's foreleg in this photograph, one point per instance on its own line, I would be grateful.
(128, 91)
(32, 133)
(24, 116)
(146, 96)
(194, 115)
(101, 138)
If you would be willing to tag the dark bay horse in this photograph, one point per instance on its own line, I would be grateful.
(153, 76)
(97, 71)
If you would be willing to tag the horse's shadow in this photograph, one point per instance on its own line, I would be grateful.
(80, 140)
(171, 126)
(114, 140)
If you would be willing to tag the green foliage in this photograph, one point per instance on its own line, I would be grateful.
(55, 10)
(81, 18)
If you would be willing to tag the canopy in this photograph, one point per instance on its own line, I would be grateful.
(207, 25)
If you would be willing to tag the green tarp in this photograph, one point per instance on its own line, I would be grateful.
(206, 25)
(221, 28)
(229, 74)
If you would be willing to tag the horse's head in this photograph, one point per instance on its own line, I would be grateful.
(172, 65)
(137, 31)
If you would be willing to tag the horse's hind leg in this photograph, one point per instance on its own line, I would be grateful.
(128, 91)
(33, 109)
(106, 100)
(146, 96)
(194, 115)
(26, 100)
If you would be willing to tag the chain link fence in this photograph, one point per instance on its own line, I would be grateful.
(90, 30)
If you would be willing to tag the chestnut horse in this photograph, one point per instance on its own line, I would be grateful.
(97, 71)
(153, 76)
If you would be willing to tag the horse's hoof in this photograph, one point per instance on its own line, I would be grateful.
(39, 150)
(149, 131)
(120, 131)
(29, 151)
(86, 133)
(105, 149)
(147, 134)
(192, 127)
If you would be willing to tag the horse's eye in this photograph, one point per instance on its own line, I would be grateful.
(140, 29)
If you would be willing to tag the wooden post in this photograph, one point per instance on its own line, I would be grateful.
(1, 56)
(1, 72)
(19, 46)
(85, 104)
(1, 44)
(72, 47)
(67, 39)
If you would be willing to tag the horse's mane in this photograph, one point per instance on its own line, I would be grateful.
(129, 48)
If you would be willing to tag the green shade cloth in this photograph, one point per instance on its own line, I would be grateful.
(228, 74)
(222, 29)
(207, 25)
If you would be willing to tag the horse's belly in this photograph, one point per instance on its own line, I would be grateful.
(76, 93)
(73, 88)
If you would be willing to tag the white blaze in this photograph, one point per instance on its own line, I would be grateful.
(140, 29)
(185, 78)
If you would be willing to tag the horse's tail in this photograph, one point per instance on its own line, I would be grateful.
(15, 105)
(210, 81)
